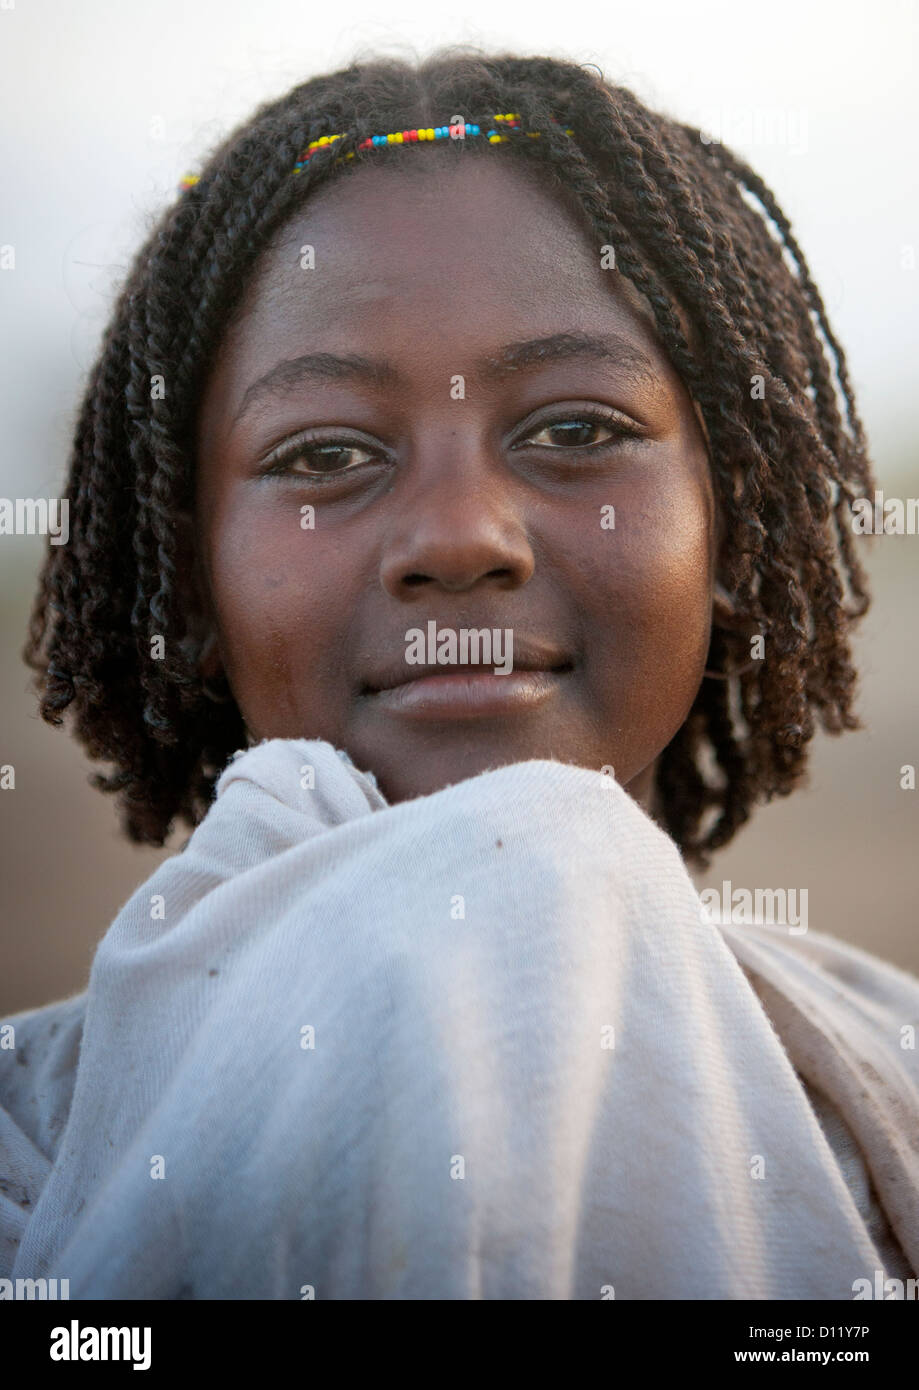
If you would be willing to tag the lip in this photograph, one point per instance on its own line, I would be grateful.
(528, 654)
(469, 694)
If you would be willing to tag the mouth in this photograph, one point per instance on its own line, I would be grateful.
(468, 692)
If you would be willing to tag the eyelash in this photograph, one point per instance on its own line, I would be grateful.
(278, 461)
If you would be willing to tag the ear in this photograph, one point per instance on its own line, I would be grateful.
(200, 627)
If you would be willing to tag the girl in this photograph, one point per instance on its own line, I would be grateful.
(428, 1005)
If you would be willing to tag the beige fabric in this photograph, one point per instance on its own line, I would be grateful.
(850, 1024)
(852, 1166)
(586, 1166)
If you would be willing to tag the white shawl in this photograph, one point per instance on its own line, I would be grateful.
(482, 1044)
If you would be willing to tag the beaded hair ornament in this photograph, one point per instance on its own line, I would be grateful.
(456, 130)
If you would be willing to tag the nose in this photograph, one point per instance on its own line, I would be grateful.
(457, 526)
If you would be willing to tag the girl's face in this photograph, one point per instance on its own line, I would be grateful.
(490, 437)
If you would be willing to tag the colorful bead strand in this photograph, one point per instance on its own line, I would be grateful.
(402, 137)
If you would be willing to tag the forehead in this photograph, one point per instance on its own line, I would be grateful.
(447, 246)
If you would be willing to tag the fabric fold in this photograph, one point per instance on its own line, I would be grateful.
(850, 1024)
(482, 1044)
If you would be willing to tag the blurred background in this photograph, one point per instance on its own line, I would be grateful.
(105, 106)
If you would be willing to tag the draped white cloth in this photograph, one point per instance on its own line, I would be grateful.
(482, 1044)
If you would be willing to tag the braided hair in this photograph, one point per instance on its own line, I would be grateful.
(693, 228)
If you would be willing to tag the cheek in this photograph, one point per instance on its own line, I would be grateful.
(281, 602)
(651, 600)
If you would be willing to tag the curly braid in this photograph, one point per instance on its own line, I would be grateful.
(699, 235)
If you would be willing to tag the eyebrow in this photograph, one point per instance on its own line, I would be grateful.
(525, 355)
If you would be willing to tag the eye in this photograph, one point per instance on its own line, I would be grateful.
(577, 429)
(329, 458)
(322, 458)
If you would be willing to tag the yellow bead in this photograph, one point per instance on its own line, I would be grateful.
(399, 137)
